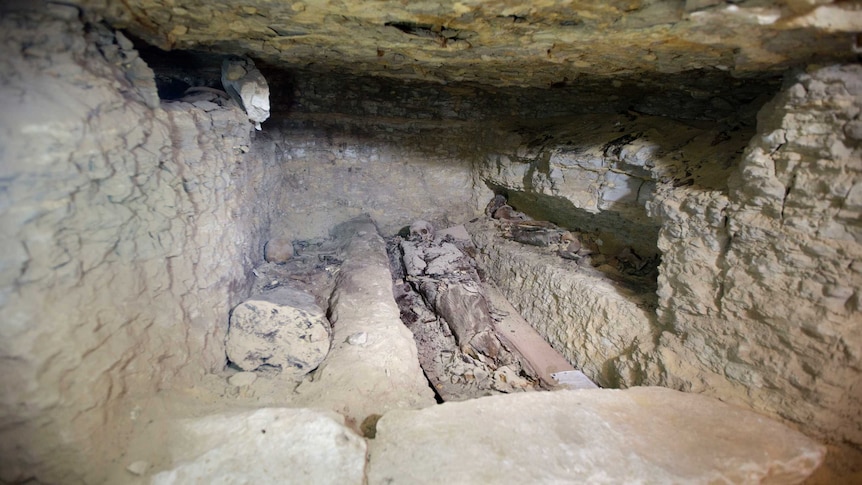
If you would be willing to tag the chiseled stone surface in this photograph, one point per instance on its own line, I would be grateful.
(130, 225)
(112, 213)
(639, 435)
(268, 445)
(764, 287)
(759, 285)
(340, 167)
(504, 42)
(603, 329)
(598, 172)
(380, 371)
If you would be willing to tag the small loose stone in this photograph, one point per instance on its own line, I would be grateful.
(359, 338)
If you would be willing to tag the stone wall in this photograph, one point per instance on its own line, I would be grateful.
(128, 230)
(759, 285)
(764, 299)
(337, 167)
(597, 172)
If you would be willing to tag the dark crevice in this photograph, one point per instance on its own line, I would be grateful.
(177, 71)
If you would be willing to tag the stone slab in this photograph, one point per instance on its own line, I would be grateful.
(638, 435)
(269, 445)
(382, 372)
(599, 326)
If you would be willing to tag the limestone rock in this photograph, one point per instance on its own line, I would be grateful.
(138, 467)
(601, 327)
(278, 250)
(269, 445)
(241, 379)
(767, 269)
(382, 373)
(505, 43)
(283, 328)
(162, 229)
(640, 435)
(247, 86)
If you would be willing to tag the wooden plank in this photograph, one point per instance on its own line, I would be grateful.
(543, 359)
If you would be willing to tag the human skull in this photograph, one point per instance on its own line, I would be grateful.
(421, 231)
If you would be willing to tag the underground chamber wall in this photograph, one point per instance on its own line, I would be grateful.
(174, 219)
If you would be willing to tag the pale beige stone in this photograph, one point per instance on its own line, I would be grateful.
(594, 323)
(282, 328)
(382, 373)
(268, 445)
(640, 435)
(125, 246)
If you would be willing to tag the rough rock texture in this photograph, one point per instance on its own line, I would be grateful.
(504, 43)
(125, 242)
(129, 228)
(602, 328)
(760, 282)
(596, 173)
(283, 328)
(640, 435)
(268, 445)
(373, 374)
(765, 293)
(247, 86)
(340, 168)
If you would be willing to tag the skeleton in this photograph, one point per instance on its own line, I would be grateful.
(421, 231)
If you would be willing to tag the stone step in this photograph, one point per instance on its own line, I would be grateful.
(638, 435)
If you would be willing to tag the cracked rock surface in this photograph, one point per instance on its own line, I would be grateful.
(505, 43)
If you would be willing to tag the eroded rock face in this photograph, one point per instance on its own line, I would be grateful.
(340, 167)
(777, 265)
(601, 327)
(640, 435)
(506, 43)
(247, 86)
(112, 213)
(759, 279)
(130, 224)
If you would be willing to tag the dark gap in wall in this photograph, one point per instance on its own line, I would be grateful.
(705, 94)
(693, 95)
(178, 70)
(618, 235)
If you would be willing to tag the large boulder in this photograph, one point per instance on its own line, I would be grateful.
(639, 435)
(269, 445)
(283, 328)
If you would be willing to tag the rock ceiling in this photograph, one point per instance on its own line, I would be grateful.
(540, 43)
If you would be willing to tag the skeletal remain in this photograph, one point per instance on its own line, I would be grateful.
(507, 213)
(421, 231)
(497, 202)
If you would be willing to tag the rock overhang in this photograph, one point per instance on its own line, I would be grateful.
(503, 43)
